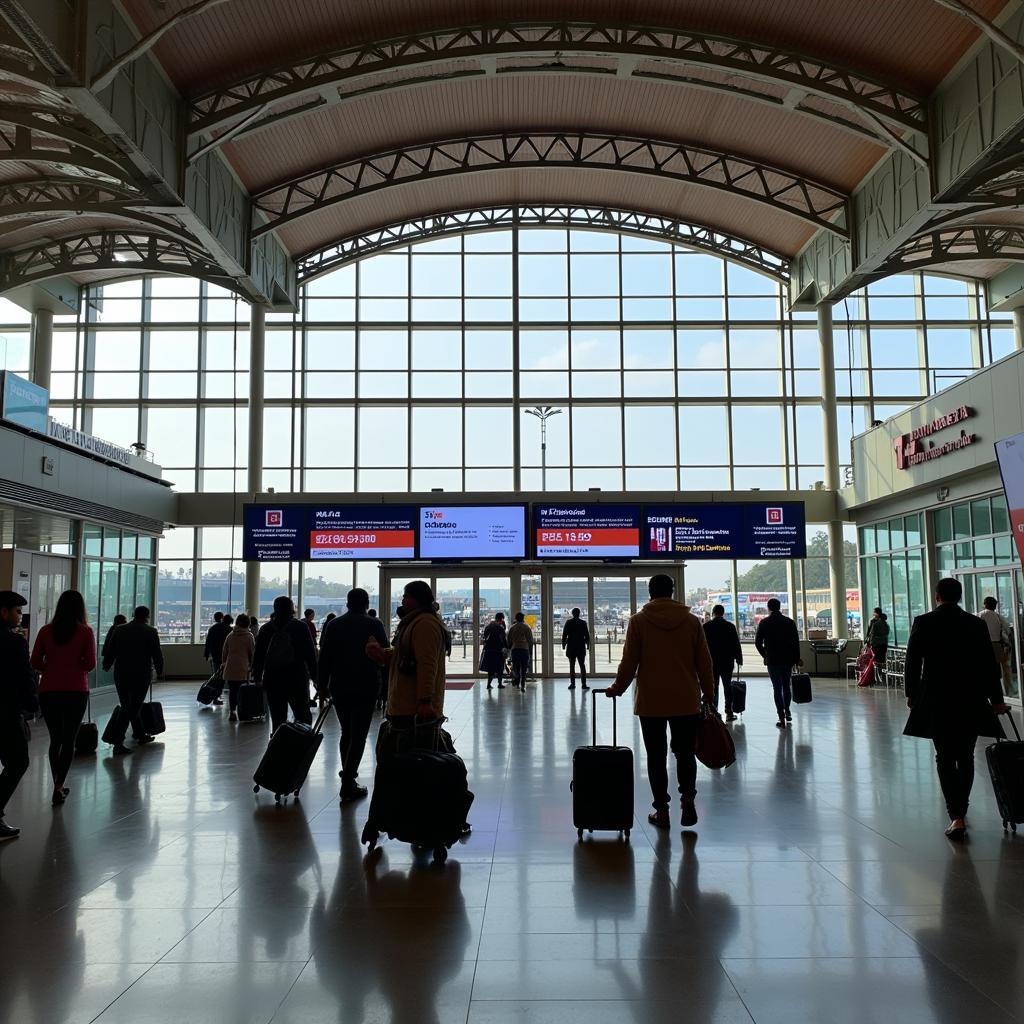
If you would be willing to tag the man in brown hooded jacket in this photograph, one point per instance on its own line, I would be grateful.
(667, 652)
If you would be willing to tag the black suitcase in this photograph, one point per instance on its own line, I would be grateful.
(1006, 766)
(87, 739)
(210, 690)
(252, 703)
(113, 728)
(739, 696)
(801, 684)
(602, 783)
(420, 796)
(289, 756)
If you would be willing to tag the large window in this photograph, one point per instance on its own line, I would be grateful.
(892, 572)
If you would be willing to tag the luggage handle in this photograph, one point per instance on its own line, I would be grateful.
(1014, 724)
(615, 722)
(322, 717)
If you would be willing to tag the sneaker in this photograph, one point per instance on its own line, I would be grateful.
(352, 792)
(8, 831)
(585, 687)
(789, 717)
(572, 686)
(120, 748)
(233, 717)
(659, 818)
(689, 817)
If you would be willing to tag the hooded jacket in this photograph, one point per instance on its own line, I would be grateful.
(667, 652)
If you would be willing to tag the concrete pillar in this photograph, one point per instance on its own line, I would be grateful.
(42, 347)
(257, 353)
(830, 437)
(1018, 328)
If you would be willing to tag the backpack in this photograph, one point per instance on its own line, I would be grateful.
(280, 653)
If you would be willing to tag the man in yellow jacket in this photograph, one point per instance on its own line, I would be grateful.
(667, 652)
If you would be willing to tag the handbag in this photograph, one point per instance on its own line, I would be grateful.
(714, 746)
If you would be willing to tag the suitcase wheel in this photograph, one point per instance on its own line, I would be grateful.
(579, 834)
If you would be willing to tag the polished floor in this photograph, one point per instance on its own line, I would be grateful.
(817, 887)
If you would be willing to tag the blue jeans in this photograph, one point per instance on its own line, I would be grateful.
(780, 676)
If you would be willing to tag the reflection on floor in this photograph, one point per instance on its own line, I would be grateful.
(818, 886)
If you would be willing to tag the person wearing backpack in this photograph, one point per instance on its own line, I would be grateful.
(285, 661)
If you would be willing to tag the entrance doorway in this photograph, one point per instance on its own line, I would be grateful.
(1006, 585)
(546, 594)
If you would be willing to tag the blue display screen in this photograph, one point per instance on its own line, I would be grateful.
(275, 533)
(757, 531)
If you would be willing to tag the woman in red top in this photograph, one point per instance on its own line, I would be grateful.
(64, 652)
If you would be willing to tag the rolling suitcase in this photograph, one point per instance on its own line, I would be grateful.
(252, 703)
(602, 783)
(87, 739)
(739, 696)
(801, 684)
(113, 727)
(420, 790)
(289, 756)
(211, 689)
(1006, 766)
(151, 715)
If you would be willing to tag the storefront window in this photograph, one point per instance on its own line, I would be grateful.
(892, 572)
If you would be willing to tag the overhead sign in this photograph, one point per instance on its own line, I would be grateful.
(1010, 456)
(586, 531)
(93, 445)
(756, 531)
(24, 403)
(274, 533)
(361, 532)
(472, 531)
(917, 447)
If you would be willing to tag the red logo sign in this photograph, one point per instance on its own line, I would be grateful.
(275, 517)
(911, 449)
(774, 516)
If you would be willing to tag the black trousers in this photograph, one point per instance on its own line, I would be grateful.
(354, 706)
(574, 658)
(13, 756)
(234, 685)
(131, 695)
(684, 737)
(723, 674)
(63, 713)
(954, 760)
(520, 665)
(282, 693)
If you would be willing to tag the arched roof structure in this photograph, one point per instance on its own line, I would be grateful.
(823, 131)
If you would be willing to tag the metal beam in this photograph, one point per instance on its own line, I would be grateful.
(780, 189)
(317, 81)
(72, 197)
(955, 245)
(693, 236)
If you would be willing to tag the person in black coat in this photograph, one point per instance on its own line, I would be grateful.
(778, 642)
(576, 644)
(954, 694)
(17, 699)
(285, 661)
(726, 654)
(353, 680)
(134, 653)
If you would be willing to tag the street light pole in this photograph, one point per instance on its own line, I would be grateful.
(543, 413)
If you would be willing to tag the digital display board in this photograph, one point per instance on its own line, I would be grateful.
(274, 533)
(374, 532)
(472, 531)
(757, 531)
(586, 531)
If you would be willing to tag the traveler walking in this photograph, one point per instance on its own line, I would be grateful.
(135, 656)
(520, 640)
(726, 654)
(213, 650)
(576, 643)
(999, 631)
(953, 692)
(309, 617)
(415, 659)
(353, 679)
(495, 643)
(119, 620)
(667, 652)
(236, 661)
(17, 700)
(778, 642)
(877, 636)
(64, 653)
(285, 661)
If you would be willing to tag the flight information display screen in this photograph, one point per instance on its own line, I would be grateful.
(586, 531)
(274, 533)
(472, 531)
(360, 532)
(758, 531)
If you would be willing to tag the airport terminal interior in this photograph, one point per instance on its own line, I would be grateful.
(531, 303)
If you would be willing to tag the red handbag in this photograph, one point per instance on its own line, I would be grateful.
(714, 747)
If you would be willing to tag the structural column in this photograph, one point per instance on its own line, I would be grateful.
(42, 347)
(257, 351)
(830, 437)
(1018, 328)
